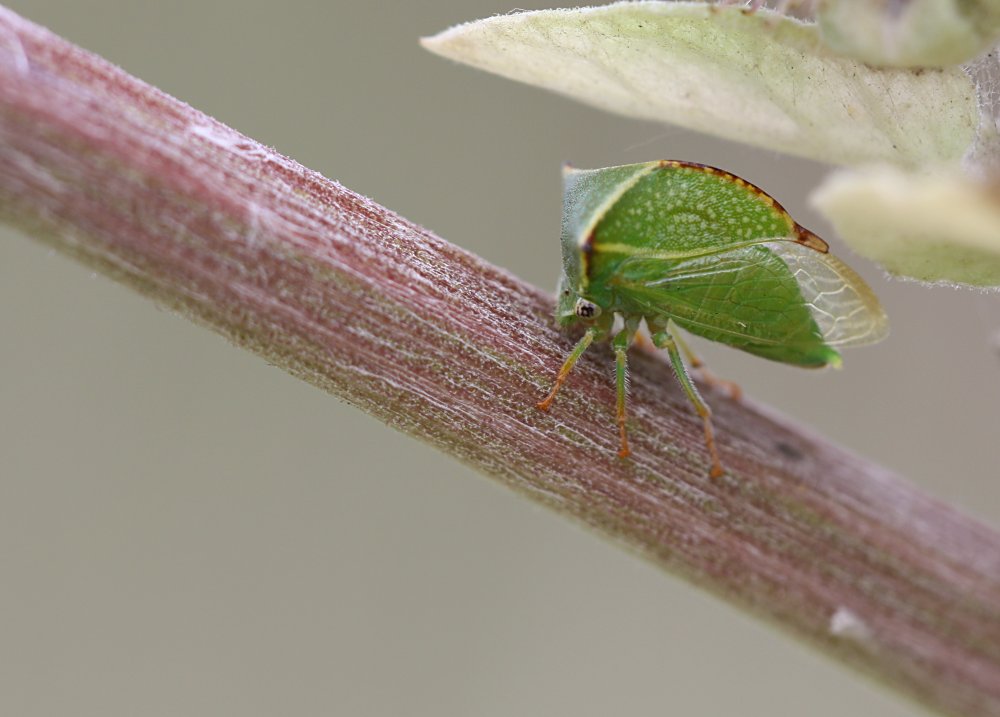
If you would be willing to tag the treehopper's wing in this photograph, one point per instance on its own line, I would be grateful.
(843, 305)
(777, 299)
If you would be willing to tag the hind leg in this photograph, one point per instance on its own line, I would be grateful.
(704, 375)
(663, 340)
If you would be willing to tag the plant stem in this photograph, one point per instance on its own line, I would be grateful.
(437, 343)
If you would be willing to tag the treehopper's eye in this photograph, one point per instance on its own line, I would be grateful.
(586, 309)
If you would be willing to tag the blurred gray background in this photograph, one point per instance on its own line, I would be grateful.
(187, 530)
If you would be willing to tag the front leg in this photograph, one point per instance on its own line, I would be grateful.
(592, 333)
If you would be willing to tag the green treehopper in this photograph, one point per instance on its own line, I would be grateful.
(684, 245)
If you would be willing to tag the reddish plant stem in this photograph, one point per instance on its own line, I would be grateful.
(440, 345)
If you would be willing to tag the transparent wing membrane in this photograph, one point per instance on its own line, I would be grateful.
(842, 304)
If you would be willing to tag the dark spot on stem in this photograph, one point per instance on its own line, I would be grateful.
(789, 451)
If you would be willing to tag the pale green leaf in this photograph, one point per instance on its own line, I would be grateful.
(917, 33)
(759, 78)
(939, 228)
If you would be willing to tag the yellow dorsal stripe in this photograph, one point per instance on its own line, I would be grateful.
(637, 251)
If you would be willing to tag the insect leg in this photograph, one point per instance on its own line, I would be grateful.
(567, 366)
(735, 392)
(620, 345)
(663, 340)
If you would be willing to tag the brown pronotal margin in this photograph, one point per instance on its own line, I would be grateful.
(806, 238)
